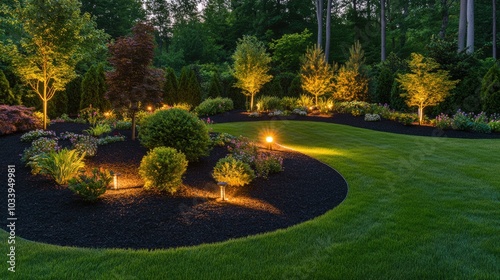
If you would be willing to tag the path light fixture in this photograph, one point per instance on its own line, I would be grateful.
(150, 109)
(115, 181)
(222, 186)
(269, 140)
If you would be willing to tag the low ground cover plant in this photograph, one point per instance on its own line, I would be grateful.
(30, 136)
(90, 188)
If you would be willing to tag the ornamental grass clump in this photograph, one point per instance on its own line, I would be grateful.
(233, 171)
(178, 129)
(91, 187)
(61, 165)
(162, 169)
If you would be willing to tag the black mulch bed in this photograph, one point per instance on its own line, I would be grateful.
(131, 217)
(347, 119)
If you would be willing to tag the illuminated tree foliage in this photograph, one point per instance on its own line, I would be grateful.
(251, 66)
(134, 83)
(425, 84)
(351, 82)
(316, 74)
(55, 38)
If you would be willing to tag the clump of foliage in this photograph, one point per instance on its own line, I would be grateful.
(110, 139)
(170, 87)
(6, 94)
(214, 106)
(99, 129)
(425, 85)
(443, 121)
(490, 90)
(93, 89)
(39, 146)
(288, 50)
(17, 119)
(215, 87)
(178, 129)
(189, 90)
(242, 148)
(90, 187)
(86, 145)
(37, 133)
(269, 103)
(315, 73)
(162, 168)
(251, 66)
(233, 171)
(61, 165)
(267, 163)
(351, 82)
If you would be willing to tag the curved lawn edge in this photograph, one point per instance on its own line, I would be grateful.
(414, 229)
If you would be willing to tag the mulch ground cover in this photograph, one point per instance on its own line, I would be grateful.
(131, 217)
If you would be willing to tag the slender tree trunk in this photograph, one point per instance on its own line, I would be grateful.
(444, 22)
(462, 25)
(494, 19)
(470, 26)
(251, 102)
(383, 24)
(319, 15)
(133, 125)
(328, 29)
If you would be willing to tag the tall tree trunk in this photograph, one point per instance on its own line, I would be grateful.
(470, 26)
(328, 29)
(494, 19)
(382, 30)
(444, 22)
(462, 25)
(319, 16)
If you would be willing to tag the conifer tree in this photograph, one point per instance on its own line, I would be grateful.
(490, 90)
(351, 82)
(316, 74)
(215, 88)
(6, 94)
(170, 88)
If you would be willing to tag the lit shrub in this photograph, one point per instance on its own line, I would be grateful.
(183, 106)
(162, 168)
(178, 129)
(242, 148)
(406, 118)
(86, 145)
(443, 121)
(17, 119)
(305, 101)
(232, 171)
(269, 103)
(372, 117)
(289, 103)
(267, 163)
(99, 129)
(495, 126)
(61, 165)
(90, 187)
(37, 133)
(214, 106)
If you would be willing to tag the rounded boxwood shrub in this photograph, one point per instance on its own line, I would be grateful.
(232, 171)
(178, 129)
(162, 168)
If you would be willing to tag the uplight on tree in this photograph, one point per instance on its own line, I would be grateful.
(316, 74)
(425, 84)
(251, 66)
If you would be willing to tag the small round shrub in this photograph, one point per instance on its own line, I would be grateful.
(178, 129)
(162, 168)
(214, 106)
(232, 171)
(90, 187)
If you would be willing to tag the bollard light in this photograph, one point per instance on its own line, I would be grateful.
(115, 181)
(269, 140)
(222, 186)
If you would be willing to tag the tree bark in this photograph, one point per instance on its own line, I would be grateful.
(462, 25)
(328, 29)
(444, 22)
(494, 19)
(383, 24)
(470, 26)
(319, 16)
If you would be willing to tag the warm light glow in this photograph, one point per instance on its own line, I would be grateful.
(222, 186)
(269, 139)
(115, 181)
(150, 108)
(106, 114)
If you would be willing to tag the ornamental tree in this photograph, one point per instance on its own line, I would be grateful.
(316, 74)
(425, 84)
(251, 66)
(351, 82)
(133, 83)
(55, 36)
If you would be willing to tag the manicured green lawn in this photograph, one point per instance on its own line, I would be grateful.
(417, 208)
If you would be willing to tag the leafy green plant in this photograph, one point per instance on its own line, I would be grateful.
(269, 103)
(461, 121)
(242, 148)
(213, 106)
(37, 133)
(305, 101)
(178, 129)
(406, 118)
(372, 117)
(443, 121)
(40, 145)
(110, 139)
(289, 103)
(62, 165)
(86, 145)
(267, 163)
(99, 129)
(480, 127)
(90, 187)
(495, 126)
(221, 139)
(123, 125)
(232, 171)
(162, 168)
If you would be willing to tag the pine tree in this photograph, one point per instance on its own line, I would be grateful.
(74, 94)
(59, 105)
(425, 85)
(94, 88)
(351, 82)
(384, 85)
(215, 88)
(316, 74)
(170, 88)
(490, 90)
(182, 93)
(193, 90)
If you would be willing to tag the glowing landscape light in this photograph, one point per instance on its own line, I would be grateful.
(269, 140)
(222, 186)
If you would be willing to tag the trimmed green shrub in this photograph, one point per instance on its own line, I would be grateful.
(211, 107)
(232, 171)
(62, 165)
(490, 90)
(162, 168)
(178, 129)
(90, 187)
(481, 127)
(215, 87)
